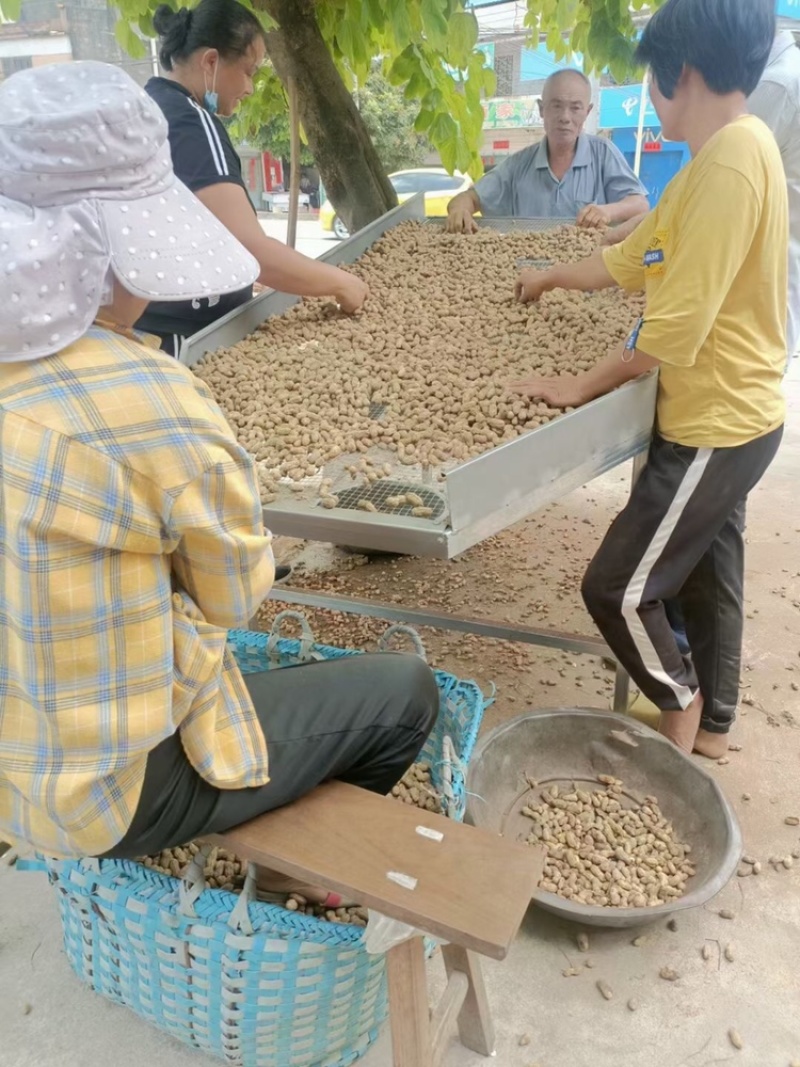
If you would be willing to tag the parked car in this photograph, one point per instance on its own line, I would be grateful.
(438, 186)
(280, 201)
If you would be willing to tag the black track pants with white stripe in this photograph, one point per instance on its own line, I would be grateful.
(680, 537)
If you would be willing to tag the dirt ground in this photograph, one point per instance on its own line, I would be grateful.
(530, 575)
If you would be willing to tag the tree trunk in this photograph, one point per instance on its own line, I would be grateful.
(348, 163)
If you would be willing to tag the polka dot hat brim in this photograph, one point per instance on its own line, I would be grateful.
(55, 263)
(87, 192)
(170, 247)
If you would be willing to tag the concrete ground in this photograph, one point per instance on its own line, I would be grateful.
(48, 1019)
(312, 240)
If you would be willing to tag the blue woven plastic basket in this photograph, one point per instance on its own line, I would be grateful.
(251, 983)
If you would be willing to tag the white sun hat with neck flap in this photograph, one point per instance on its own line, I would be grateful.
(87, 189)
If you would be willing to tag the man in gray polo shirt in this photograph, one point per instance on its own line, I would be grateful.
(569, 174)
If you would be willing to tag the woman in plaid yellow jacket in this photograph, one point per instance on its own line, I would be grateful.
(131, 532)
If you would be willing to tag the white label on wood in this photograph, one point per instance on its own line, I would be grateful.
(433, 835)
(405, 880)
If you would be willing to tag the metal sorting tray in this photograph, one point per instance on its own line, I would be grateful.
(481, 496)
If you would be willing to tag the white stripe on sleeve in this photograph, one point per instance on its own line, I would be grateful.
(214, 143)
(632, 598)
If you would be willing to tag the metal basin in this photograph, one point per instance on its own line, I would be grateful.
(570, 744)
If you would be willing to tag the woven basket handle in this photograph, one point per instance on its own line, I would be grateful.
(239, 919)
(193, 882)
(306, 651)
(406, 631)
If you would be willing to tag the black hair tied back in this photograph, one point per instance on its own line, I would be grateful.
(225, 25)
(173, 29)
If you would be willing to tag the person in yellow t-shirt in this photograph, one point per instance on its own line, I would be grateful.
(712, 259)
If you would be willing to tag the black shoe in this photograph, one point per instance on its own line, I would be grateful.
(282, 571)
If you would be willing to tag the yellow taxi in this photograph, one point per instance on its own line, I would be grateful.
(438, 186)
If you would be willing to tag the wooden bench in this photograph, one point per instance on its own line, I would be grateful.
(455, 882)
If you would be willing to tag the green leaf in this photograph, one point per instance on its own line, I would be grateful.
(489, 82)
(566, 14)
(344, 37)
(423, 120)
(374, 12)
(433, 100)
(554, 40)
(10, 10)
(400, 23)
(579, 36)
(463, 156)
(462, 36)
(129, 41)
(404, 67)
(434, 22)
(444, 134)
(417, 86)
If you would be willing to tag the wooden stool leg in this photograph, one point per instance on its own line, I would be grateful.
(475, 1026)
(409, 1014)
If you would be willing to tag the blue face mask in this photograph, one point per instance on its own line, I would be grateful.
(211, 96)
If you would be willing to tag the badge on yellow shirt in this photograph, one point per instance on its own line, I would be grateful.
(654, 260)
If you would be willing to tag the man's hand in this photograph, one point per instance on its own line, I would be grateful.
(352, 294)
(562, 392)
(459, 218)
(593, 216)
(531, 284)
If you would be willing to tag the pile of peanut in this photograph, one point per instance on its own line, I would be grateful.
(606, 849)
(416, 788)
(225, 870)
(423, 371)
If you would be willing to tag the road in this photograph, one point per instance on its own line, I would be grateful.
(312, 240)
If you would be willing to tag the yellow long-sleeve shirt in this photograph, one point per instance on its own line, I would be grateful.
(131, 538)
(712, 259)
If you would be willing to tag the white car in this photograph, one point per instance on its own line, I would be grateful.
(280, 201)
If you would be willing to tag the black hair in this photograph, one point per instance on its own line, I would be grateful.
(225, 25)
(726, 41)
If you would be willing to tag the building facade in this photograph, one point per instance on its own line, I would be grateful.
(49, 31)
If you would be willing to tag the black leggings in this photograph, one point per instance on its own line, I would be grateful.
(362, 719)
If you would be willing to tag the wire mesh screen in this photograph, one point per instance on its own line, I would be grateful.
(394, 498)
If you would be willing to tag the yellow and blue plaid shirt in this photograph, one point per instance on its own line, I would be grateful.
(130, 541)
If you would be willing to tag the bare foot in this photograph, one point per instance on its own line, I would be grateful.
(712, 745)
(681, 727)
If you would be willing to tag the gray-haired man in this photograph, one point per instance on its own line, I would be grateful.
(568, 174)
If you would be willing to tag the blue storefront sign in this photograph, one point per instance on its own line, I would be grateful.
(619, 108)
(660, 160)
(789, 9)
